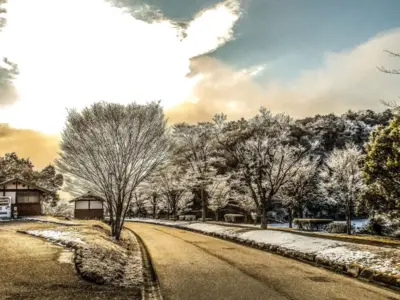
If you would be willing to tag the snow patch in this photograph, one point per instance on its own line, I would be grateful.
(56, 235)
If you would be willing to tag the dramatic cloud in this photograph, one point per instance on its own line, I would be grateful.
(347, 80)
(40, 148)
(219, 88)
(8, 70)
(8, 93)
(72, 53)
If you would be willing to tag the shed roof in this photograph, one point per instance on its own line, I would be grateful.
(88, 196)
(31, 185)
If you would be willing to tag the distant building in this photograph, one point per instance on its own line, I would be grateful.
(88, 206)
(26, 198)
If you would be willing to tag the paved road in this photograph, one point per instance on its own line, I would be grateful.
(31, 268)
(192, 266)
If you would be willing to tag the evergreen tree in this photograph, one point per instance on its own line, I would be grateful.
(382, 170)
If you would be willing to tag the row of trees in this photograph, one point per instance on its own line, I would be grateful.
(129, 156)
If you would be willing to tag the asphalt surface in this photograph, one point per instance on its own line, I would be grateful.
(194, 267)
(32, 268)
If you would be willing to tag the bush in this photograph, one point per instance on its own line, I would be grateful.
(312, 224)
(60, 209)
(382, 225)
(190, 217)
(338, 227)
(234, 218)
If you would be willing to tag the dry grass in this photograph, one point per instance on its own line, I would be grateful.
(98, 257)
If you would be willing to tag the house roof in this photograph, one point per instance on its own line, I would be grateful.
(31, 185)
(88, 196)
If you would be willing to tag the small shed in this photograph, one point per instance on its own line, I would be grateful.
(26, 197)
(88, 206)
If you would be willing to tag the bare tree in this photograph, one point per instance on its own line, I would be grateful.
(110, 149)
(390, 71)
(341, 179)
(391, 104)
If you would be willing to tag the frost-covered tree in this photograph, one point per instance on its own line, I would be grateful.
(173, 187)
(301, 187)
(138, 204)
(193, 149)
(218, 192)
(341, 179)
(152, 192)
(242, 194)
(110, 149)
(263, 152)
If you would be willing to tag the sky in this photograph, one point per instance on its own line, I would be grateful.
(198, 57)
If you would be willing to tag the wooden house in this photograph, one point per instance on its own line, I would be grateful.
(26, 198)
(88, 206)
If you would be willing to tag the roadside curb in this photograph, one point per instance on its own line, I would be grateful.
(351, 270)
(151, 288)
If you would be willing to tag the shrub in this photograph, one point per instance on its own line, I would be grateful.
(382, 225)
(234, 218)
(337, 227)
(312, 224)
(190, 217)
(60, 209)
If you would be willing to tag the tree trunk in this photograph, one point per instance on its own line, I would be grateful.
(203, 206)
(154, 207)
(300, 213)
(348, 217)
(217, 215)
(264, 220)
(174, 211)
(290, 212)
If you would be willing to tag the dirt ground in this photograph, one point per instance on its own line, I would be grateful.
(32, 268)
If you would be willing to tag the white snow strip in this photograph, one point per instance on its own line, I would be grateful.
(56, 235)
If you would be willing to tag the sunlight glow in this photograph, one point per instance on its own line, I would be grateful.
(72, 53)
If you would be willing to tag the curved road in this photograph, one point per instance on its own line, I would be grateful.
(192, 266)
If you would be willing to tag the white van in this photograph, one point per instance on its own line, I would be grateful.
(5, 207)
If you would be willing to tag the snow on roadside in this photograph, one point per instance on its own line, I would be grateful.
(56, 235)
(384, 260)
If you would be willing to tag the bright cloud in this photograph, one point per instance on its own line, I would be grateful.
(72, 53)
(347, 80)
